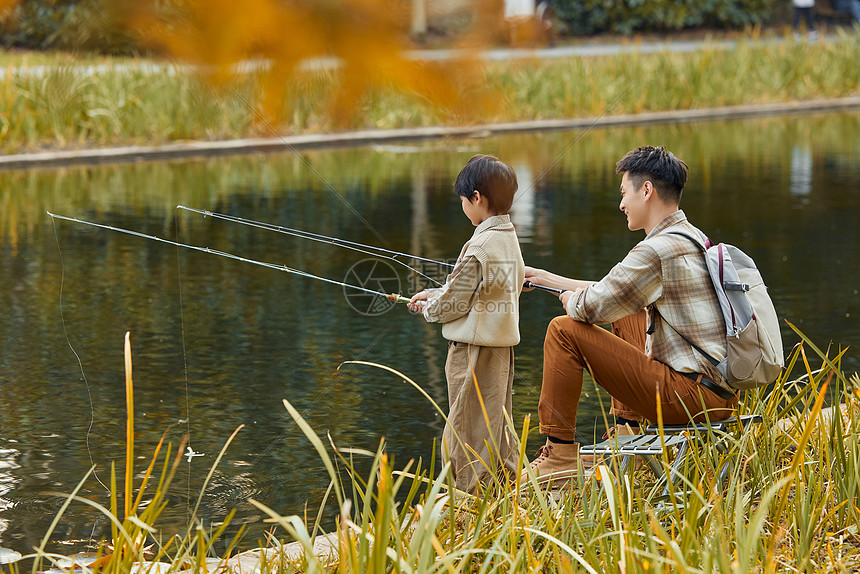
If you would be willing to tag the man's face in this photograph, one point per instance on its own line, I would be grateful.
(632, 203)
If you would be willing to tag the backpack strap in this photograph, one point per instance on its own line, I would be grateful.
(655, 312)
(704, 245)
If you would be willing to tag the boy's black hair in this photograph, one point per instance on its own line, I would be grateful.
(657, 165)
(492, 177)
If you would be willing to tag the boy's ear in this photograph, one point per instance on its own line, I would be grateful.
(476, 197)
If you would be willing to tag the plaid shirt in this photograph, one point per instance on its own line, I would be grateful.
(666, 272)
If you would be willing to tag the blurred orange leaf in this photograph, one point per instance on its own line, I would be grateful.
(366, 39)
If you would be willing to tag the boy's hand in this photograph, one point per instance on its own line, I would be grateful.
(531, 277)
(418, 301)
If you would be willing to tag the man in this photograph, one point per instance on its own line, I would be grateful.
(658, 292)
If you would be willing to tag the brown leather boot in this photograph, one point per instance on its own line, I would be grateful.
(555, 464)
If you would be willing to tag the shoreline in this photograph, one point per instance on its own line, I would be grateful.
(181, 150)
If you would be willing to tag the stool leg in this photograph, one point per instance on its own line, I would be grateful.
(655, 466)
(724, 470)
(675, 470)
(625, 462)
(616, 468)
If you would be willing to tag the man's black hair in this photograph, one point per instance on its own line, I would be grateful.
(657, 165)
(493, 178)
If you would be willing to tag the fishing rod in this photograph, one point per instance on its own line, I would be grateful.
(313, 236)
(352, 245)
(344, 243)
(529, 284)
(395, 297)
(389, 254)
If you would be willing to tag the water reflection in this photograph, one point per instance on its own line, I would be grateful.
(801, 171)
(218, 343)
(8, 481)
(523, 209)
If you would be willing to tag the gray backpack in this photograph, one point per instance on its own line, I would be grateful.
(754, 354)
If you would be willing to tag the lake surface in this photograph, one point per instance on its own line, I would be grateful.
(218, 343)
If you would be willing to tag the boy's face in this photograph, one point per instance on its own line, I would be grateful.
(472, 207)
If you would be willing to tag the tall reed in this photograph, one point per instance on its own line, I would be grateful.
(61, 106)
(789, 503)
(136, 543)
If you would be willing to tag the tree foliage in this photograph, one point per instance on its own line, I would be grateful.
(625, 16)
(365, 39)
(102, 25)
(92, 25)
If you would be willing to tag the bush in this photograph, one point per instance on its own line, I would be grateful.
(585, 17)
(91, 25)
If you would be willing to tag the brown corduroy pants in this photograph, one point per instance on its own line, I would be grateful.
(618, 363)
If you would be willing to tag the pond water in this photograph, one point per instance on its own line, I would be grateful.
(219, 343)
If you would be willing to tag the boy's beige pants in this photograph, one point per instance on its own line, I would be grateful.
(495, 446)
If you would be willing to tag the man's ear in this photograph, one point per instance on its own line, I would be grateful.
(476, 197)
(648, 189)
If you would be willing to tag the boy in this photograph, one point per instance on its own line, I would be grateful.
(479, 310)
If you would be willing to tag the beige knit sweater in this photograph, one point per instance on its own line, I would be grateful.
(479, 303)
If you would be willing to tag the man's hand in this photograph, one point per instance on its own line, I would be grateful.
(564, 298)
(418, 301)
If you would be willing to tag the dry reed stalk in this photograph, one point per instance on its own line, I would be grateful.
(129, 427)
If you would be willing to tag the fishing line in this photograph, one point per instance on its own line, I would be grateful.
(184, 365)
(309, 166)
(395, 297)
(369, 226)
(319, 397)
(178, 244)
(77, 357)
(351, 245)
(580, 136)
(575, 141)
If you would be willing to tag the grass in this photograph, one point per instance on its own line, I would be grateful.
(27, 58)
(789, 504)
(61, 108)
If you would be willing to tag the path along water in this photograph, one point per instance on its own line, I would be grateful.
(431, 55)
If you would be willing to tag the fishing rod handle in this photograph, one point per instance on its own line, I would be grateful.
(529, 284)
